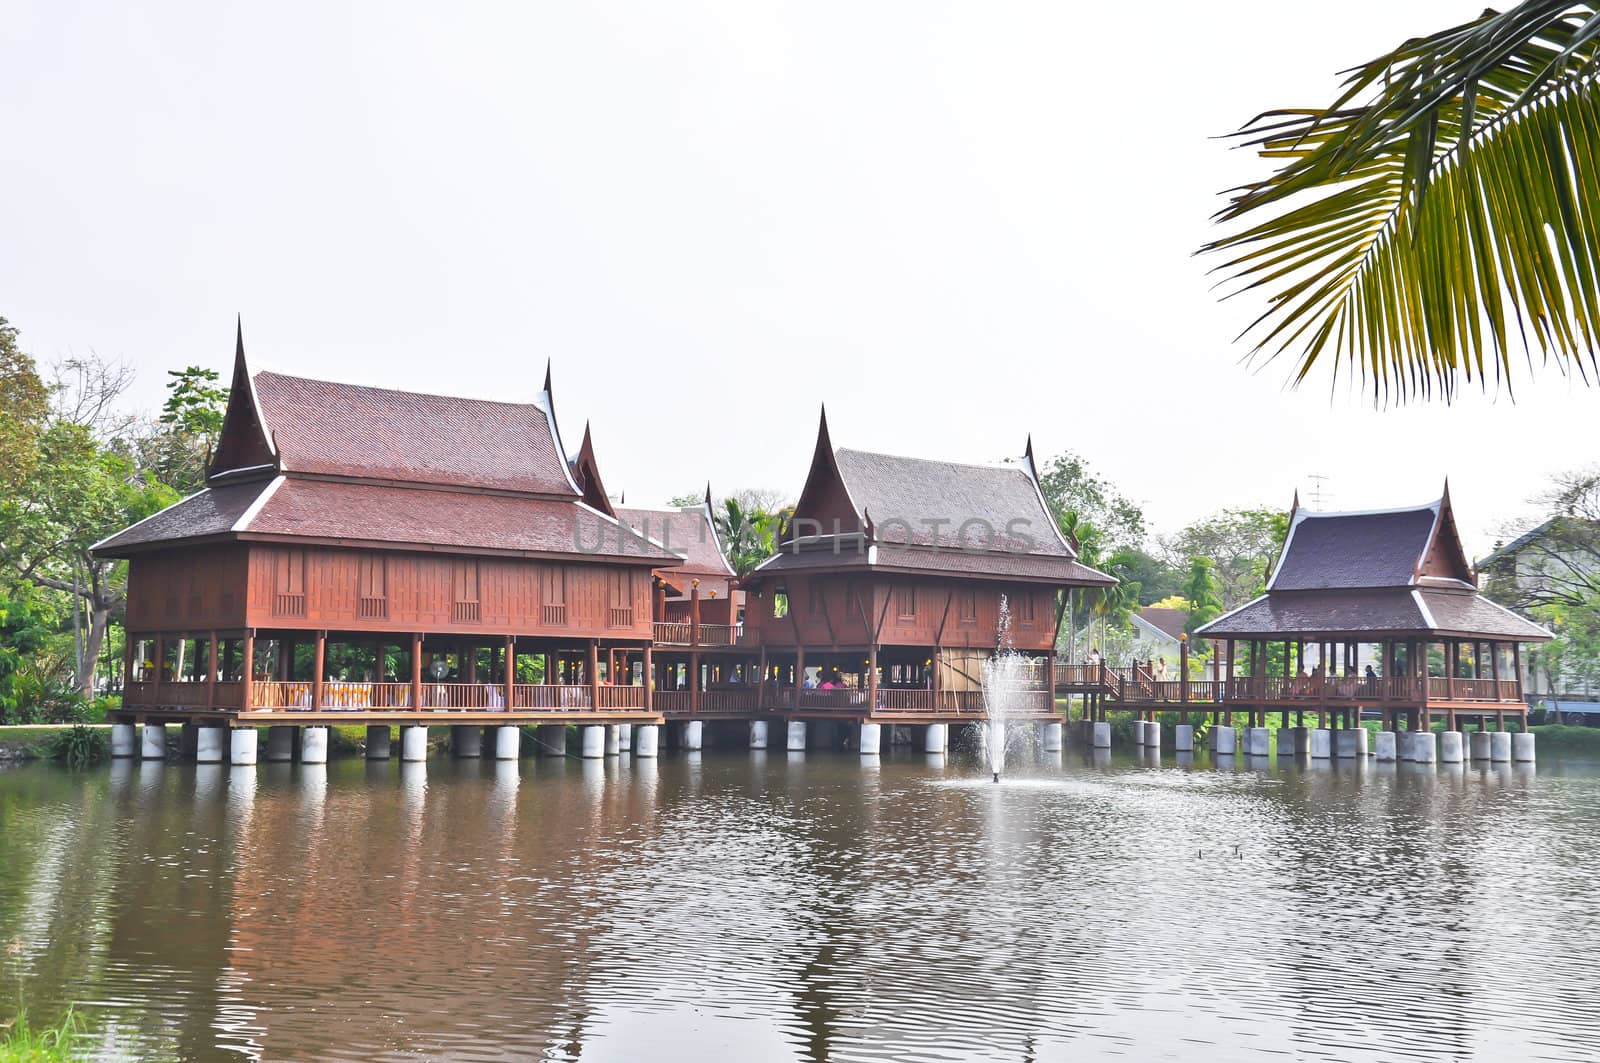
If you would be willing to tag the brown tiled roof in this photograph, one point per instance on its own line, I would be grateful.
(1168, 621)
(399, 517)
(923, 560)
(907, 498)
(1343, 551)
(1373, 611)
(334, 429)
(687, 532)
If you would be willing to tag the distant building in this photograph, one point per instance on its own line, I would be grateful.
(1553, 560)
(1158, 632)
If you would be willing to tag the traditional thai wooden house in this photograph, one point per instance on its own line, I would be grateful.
(391, 556)
(885, 597)
(1377, 610)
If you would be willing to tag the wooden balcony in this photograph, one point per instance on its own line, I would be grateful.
(1136, 686)
(302, 696)
(685, 634)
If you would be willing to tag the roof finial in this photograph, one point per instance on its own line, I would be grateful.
(547, 362)
(708, 494)
(238, 345)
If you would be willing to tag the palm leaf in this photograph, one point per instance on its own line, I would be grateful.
(1440, 218)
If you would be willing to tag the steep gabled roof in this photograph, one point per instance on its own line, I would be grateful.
(688, 532)
(1376, 548)
(1169, 622)
(586, 471)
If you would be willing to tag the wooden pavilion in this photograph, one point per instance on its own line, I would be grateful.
(1375, 611)
(390, 556)
(885, 596)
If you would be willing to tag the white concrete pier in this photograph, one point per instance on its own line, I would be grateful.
(1224, 740)
(1257, 741)
(1102, 735)
(624, 737)
(1478, 745)
(379, 741)
(692, 735)
(1050, 737)
(1451, 748)
(210, 744)
(1500, 746)
(1351, 742)
(280, 744)
(645, 739)
(1387, 750)
(124, 737)
(936, 739)
(1421, 747)
(795, 738)
(869, 738)
(314, 745)
(1522, 746)
(507, 742)
(1283, 745)
(1152, 734)
(413, 744)
(242, 745)
(154, 743)
(1320, 743)
(1183, 738)
(758, 734)
(594, 741)
(1138, 734)
(613, 741)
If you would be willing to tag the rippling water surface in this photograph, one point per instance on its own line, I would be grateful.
(736, 905)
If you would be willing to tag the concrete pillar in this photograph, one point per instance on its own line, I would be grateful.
(1321, 743)
(1152, 735)
(1102, 735)
(1450, 747)
(613, 741)
(1499, 745)
(1050, 737)
(645, 739)
(379, 741)
(1351, 742)
(594, 741)
(937, 738)
(624, 737)
(280, 744)
(692, 736)
(209, 744)
(507, 742)
(314, 745)
(1284, 744)
(1478, 744)
(1522, 746)
(1224, 740)
(795, 740)
(1422, 748)
(1257, 741)
(1183, 738)
(154, 746)
(870, 737)
(122, 739)
(242, 745)
(413, 743)
(188, 740)
(758, 734)
(551, 739)
(466, 741)
(1138, 733)
(1388, 751)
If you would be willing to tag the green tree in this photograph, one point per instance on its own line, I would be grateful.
(1242, 545)
(749, 536)
(1077, 496)
(179, 452)
(1436, 220)
(26, 404)
(1202, 593)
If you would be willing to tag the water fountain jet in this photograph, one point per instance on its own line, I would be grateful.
(1004, 678)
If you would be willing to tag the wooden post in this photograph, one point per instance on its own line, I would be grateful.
(1183, 667)
(694, 612)
(649, 677)
(761, 679)
(872, 677)
(1450, 659)
(249, 666)
(594, 673)
(799, 673)
(1516, 666)
(511, 672)
(127, 660)
(316, 676)
(161, 667)
(694, 682)
(211, 673)
(416, 671)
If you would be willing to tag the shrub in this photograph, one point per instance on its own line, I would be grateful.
(78, 746)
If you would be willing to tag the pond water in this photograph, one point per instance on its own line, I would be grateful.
(745, 905)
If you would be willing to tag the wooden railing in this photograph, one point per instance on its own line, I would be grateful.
(621, 697)
(289, 605)
(275, 694)
(721, 634)
(672, 634)
(671, 700)
(621, 616)
(551, 696)
(742, 699)
(681, 633)
(554, 614)
(138, 693)
(188, 695)
(892, 699)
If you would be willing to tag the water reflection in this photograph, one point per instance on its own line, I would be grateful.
(821, 907)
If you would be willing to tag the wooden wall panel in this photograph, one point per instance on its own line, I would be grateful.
(198, 589)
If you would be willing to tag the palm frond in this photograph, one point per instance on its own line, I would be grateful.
(1441, 216)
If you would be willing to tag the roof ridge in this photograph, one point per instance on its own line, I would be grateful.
(999, 466)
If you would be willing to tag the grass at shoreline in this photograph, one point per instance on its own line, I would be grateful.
(21, 1042)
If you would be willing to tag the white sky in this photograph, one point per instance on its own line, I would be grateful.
(954, 223)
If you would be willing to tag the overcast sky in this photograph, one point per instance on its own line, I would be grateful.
(953, 223)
